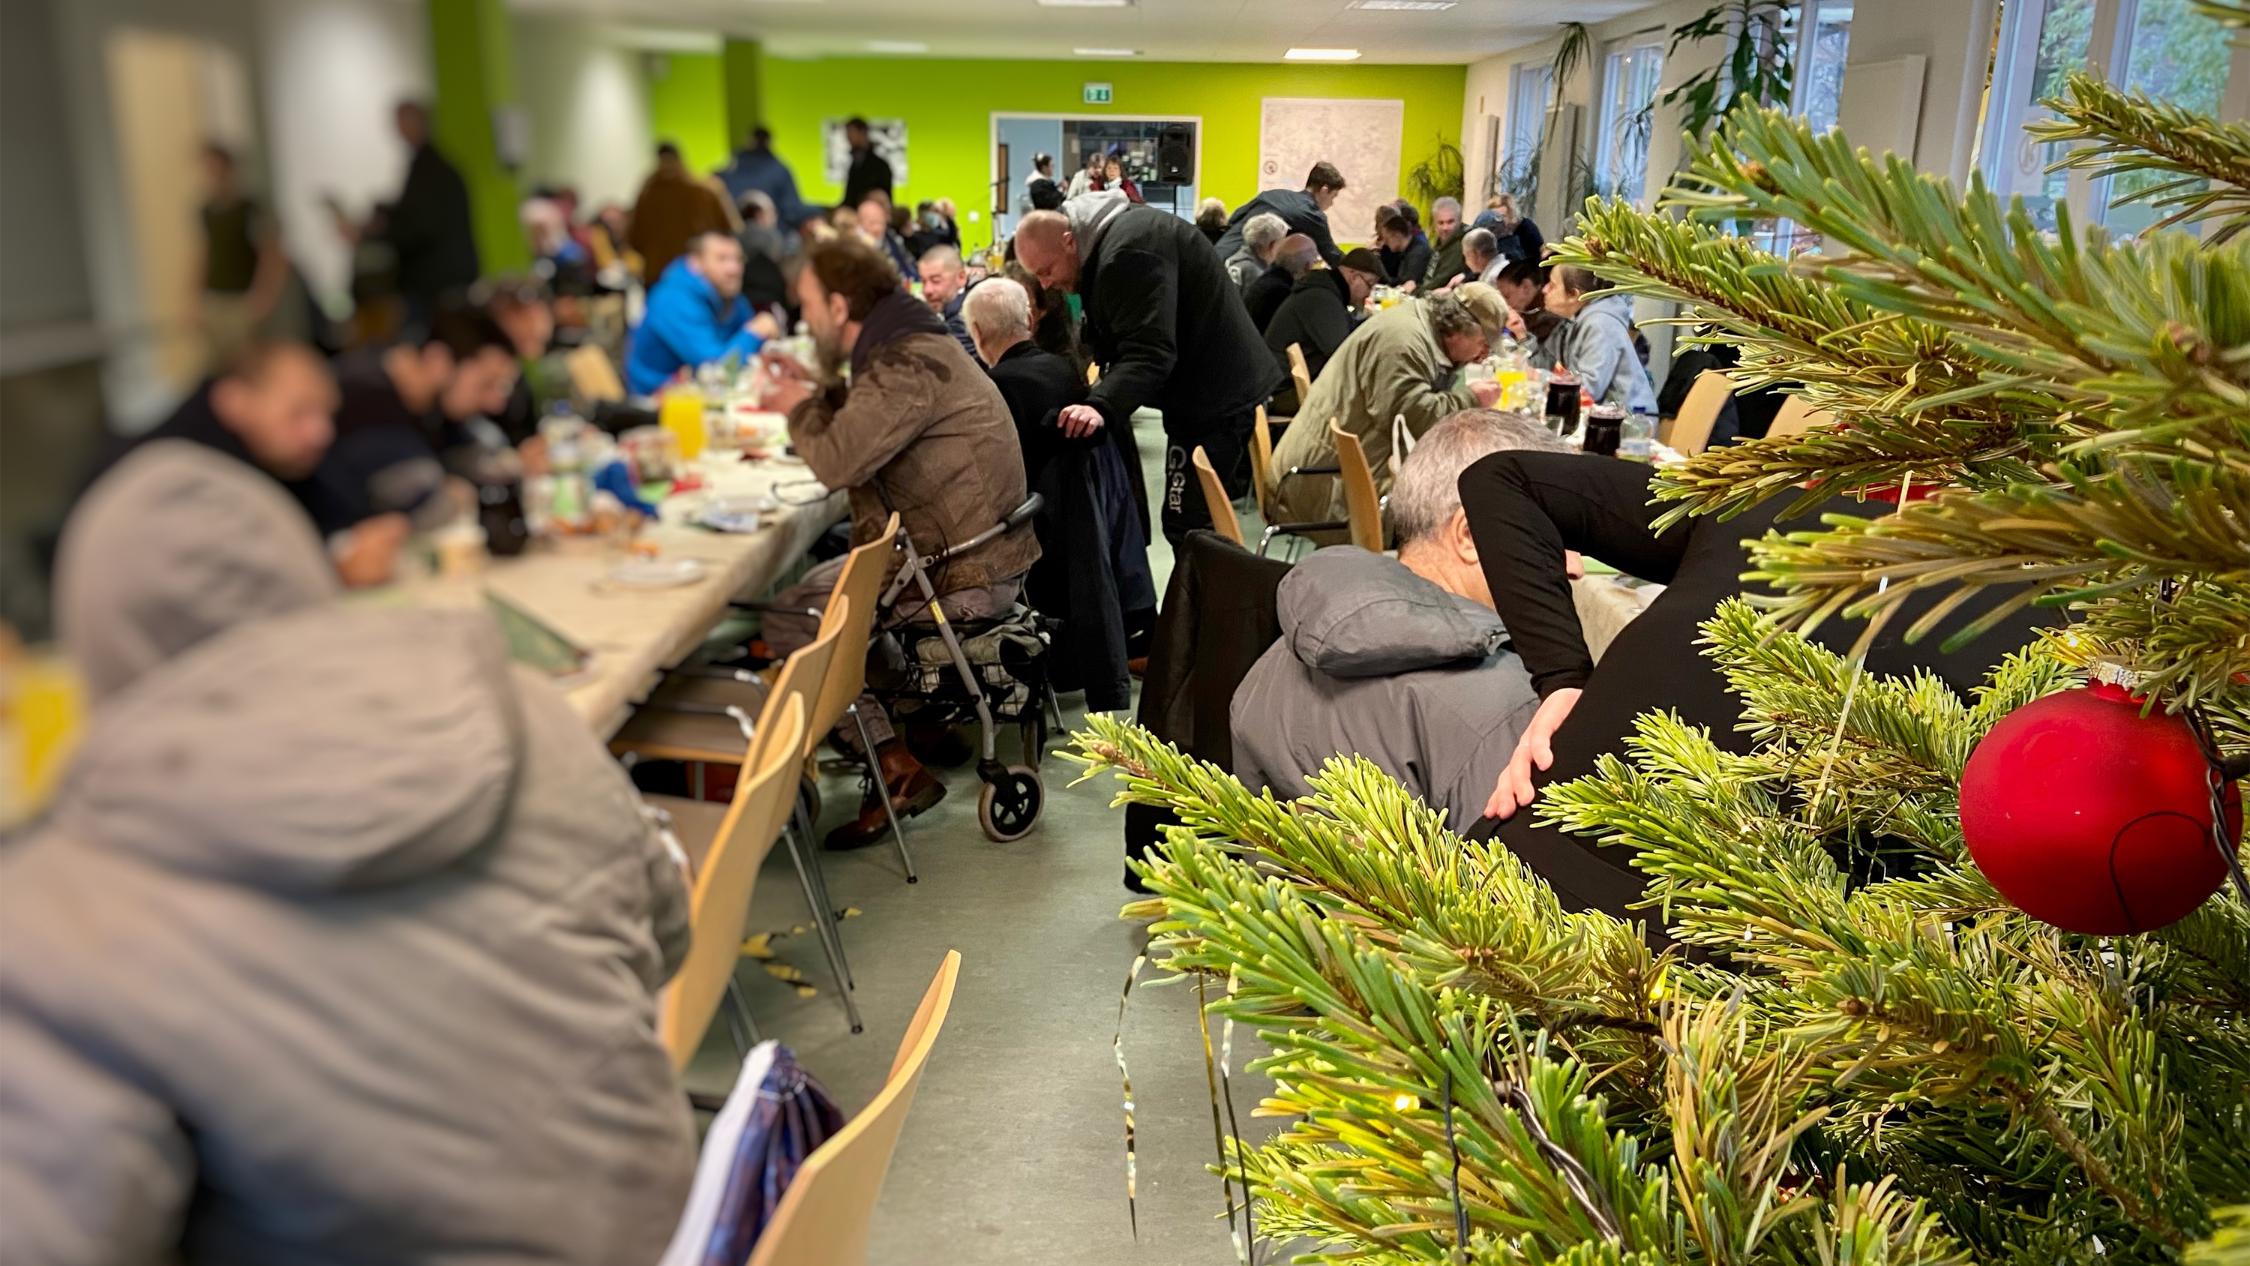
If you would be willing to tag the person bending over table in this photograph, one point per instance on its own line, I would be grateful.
(1526, 511)
(696, 316)
(1401, 660)
(1405, 360)
(923, 432)
(1162, 318)
(1316, 315)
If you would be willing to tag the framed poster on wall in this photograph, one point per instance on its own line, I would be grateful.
(888, 136)
(1360, 136)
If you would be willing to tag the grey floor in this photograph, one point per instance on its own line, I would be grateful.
(1015, 1150)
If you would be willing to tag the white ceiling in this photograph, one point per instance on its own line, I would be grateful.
(1161, 30)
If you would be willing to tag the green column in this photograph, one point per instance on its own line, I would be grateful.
(742, 70)
(473, 48)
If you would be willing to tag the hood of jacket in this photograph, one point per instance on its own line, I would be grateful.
(177, 543)
(1614, 306)
(1090, 214)
(1349, 613)
(339, 748)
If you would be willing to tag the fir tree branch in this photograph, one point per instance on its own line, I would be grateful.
(2127, 133)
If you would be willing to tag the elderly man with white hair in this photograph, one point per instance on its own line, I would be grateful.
(1401, 660)
(1261, 239)
(1038, 385)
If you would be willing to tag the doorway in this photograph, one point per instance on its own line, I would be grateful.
(1162, 154)
(169, 94)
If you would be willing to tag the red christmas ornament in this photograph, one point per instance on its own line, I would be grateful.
(2092, 817)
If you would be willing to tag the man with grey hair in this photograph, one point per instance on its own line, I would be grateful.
(1480, 253)
(945, 283)
(1261, 238)
(1401, 660)
(1446, 263)
(1264, 296)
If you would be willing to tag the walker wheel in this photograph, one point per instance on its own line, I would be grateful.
(1008, 807)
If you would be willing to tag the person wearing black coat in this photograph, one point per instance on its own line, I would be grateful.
(428, 226)
(1524, 510)
(1317, 317)
(1162, 319)
(869, 172)
(1303, 210)
(1264, 296)
(1518, 237)
(1405, 252)
(1093, 569)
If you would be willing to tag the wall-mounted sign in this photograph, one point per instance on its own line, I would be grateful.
(1097, 94)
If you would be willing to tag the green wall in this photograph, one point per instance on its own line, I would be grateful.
(742, 63)
(472, 54)
(687, 104)
(948, 106)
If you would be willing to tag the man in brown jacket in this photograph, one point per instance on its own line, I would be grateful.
(674, 209)
(921, 432)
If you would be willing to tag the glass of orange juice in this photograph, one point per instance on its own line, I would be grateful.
(681, 413)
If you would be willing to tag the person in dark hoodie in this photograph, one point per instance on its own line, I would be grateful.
(1317, 315)
(869, 172)
(1401, 660)
(1162, 319)
(1303, 210)
(343, 938)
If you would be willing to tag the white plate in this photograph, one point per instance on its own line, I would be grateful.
(656, 573)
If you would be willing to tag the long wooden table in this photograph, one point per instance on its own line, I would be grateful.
(635, 634)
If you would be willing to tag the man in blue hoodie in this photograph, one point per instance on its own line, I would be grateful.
(696, 315)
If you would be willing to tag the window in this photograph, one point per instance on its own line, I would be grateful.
(2162, 47)
(1531, 87)
(1630, 74)
(1824, 36)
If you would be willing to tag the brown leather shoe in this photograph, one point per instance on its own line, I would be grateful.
(916, 794)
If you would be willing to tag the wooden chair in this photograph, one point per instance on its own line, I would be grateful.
(695, 736)
(1215, 498)
(1266, 483)
(1361, 502)
(1797, 417)
(1690, 430)
(593, 377)
(727, 845)
(825, 1216)
(857, 592)
(1300, 375)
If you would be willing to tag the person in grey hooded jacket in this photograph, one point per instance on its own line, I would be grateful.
(1401, 660)
(341, 940)
(1597, 345)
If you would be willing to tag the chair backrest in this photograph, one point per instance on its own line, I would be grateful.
(1215, 498)
(851, 612)
(1796, 417)
(719, 908)
(824, 1217)
(1691, 429)
(1261, 466)
(1300, 374)
(803, 675)
(1362, 505)
(593, 376)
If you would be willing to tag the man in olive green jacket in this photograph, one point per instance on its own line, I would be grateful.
(1404, 362)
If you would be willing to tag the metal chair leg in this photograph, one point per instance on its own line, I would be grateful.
(820, 923)
(740, 1023)
(833, 924)
(875, 770)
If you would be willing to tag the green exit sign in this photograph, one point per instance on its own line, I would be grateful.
(1097, 94)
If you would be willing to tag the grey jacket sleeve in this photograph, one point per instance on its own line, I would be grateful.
(92, 1169)
(1465, 763)
(668, 903)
